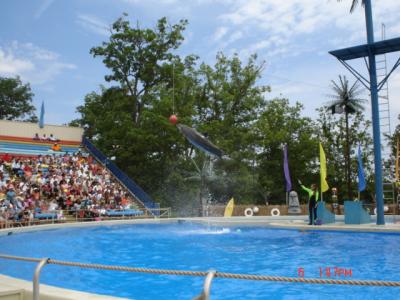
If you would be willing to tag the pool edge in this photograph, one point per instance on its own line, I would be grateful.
(295, 222)
(11, 285)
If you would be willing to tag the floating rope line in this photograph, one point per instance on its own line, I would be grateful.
(217, 274)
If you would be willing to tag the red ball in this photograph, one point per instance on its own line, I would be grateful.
(173, 119)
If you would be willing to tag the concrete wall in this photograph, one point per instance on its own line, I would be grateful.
(28, 130)
(218, 210)
(238, 211)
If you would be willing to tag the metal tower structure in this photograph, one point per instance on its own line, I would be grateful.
(370, 51)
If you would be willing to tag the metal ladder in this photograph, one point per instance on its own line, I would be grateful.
(383, 100)
(386, 130)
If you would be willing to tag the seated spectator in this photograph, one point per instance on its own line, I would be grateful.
(44, 137)
(56, 147)
(36, 137)
(53, 205)
(55, 182)
(16, 166)
(52, 138)
(6, 158)
(2, 180)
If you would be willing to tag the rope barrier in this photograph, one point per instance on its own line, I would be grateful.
(217, 274)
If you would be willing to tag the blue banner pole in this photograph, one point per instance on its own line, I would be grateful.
(375, 116)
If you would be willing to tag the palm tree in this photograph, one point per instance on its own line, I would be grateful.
(346, 98)
(354, 4)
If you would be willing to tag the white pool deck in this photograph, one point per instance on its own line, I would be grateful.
(13, 289)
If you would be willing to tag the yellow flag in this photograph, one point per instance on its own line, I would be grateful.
(229, 208)
(322, 166)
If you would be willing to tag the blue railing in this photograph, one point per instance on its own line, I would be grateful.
(136, 190)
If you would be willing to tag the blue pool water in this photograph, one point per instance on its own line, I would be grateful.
(253, 250)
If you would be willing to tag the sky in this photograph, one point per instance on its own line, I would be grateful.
(47, 43)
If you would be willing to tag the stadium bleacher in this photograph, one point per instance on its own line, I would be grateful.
(29, 147)
(67, 183)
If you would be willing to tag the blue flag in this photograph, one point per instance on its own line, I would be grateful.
(41, 119)
(361, 176)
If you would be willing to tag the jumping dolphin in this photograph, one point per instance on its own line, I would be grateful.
(198, 140)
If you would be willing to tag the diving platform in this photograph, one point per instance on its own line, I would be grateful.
(364, 51)
(377, 48)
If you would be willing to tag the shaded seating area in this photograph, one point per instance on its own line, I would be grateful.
(45, 216)
(123, 213)
(355, 213)
(324, 214)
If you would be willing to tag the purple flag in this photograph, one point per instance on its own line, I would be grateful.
(286, 170)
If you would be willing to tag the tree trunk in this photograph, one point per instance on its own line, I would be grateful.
(347, 159)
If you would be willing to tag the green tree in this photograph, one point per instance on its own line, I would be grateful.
(139, 58)
(223, 101)
(332, 134)
(348, 99)
(393, 143)
(227, 104)
(279, 124)
(16, 100)
(130, 121)
(151, 152)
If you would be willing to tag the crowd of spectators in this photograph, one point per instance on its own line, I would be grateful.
(59, 184)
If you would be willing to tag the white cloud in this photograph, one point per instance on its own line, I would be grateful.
(32, 63)
(159, 2)
(10, 65)
(93, 24)
(237, 35)
(35, 51)
(289, 22)
(219, 34)
(42, 8)
(254, 48)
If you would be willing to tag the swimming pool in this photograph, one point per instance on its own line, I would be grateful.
(251, 250)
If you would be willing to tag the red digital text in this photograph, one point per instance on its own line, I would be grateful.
(329, 272)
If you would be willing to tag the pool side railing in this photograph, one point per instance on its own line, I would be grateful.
(210, 275)
(83, 215)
